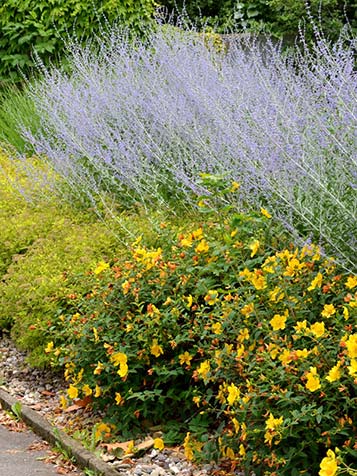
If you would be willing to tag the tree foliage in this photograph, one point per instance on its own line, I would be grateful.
(31, 26)
(277, 17)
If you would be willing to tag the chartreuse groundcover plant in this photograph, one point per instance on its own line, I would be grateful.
(139, 121)
(239, 345)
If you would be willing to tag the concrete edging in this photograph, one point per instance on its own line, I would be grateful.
(83, 457)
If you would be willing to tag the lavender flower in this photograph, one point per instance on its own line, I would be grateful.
(140, 122)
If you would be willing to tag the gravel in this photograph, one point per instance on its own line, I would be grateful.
(40, 390)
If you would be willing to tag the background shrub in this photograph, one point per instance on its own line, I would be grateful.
(276, 17)
(29, 26)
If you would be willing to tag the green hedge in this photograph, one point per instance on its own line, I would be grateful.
(41, 26)
(278, 17)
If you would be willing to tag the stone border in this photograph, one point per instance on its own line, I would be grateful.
(83, 457)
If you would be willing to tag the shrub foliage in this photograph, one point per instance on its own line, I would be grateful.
(241, 348)
(31, 26)
(278, 17)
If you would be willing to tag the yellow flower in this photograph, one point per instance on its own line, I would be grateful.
(316, 282)
(254, 247)
(217, 328)
(126, 286)
(234, 186)
(118, 358)
(189, 301)
(276, 295)
(98, 391)
(235, 424)
(204, 369)
(269, 264)
(248, 309)
(95, 332)
(229, 453)
(268, 437)
(185, 359)
(328, 310)
(197, 234)
(156, 349)
(302, 354)
(300, 326)
(328, 466)
(101, 267)
(352, 369)
(346, 313)
(233, 394)
(265, 212)
(118, 398)
(72, 392)
(202, 246)
(63, 402)
(351, 282)
(186, 241)
(278, 322)
(49, 347)
(211, 297)
(159, 444)
(242, 450)
(258, 281)
(313, 380)
(123, 370)
(243, 335)
(98, 369)
(285, 357)
(196, 400)
(273, 423)
(351, 345)
(147, 258)
(318, 329)
(101, 430)
(152, 310)
(87, 390)
(273, 350)
(187, 446)
(293, 267)
(130, 448)
(335, 373)
(240, 351)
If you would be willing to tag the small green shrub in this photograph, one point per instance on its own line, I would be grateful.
(248, 346)
(37, 280)
(30, 26)
(22, 220)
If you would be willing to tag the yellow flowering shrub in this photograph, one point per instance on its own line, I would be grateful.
(242, 353)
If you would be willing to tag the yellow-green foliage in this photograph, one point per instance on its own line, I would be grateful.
(36, 281)
(21, 221)
(42, 241)
(251, 350)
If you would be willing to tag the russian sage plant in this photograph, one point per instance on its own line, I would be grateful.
(140, 123)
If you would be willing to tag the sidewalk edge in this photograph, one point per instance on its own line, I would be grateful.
(83, 458)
